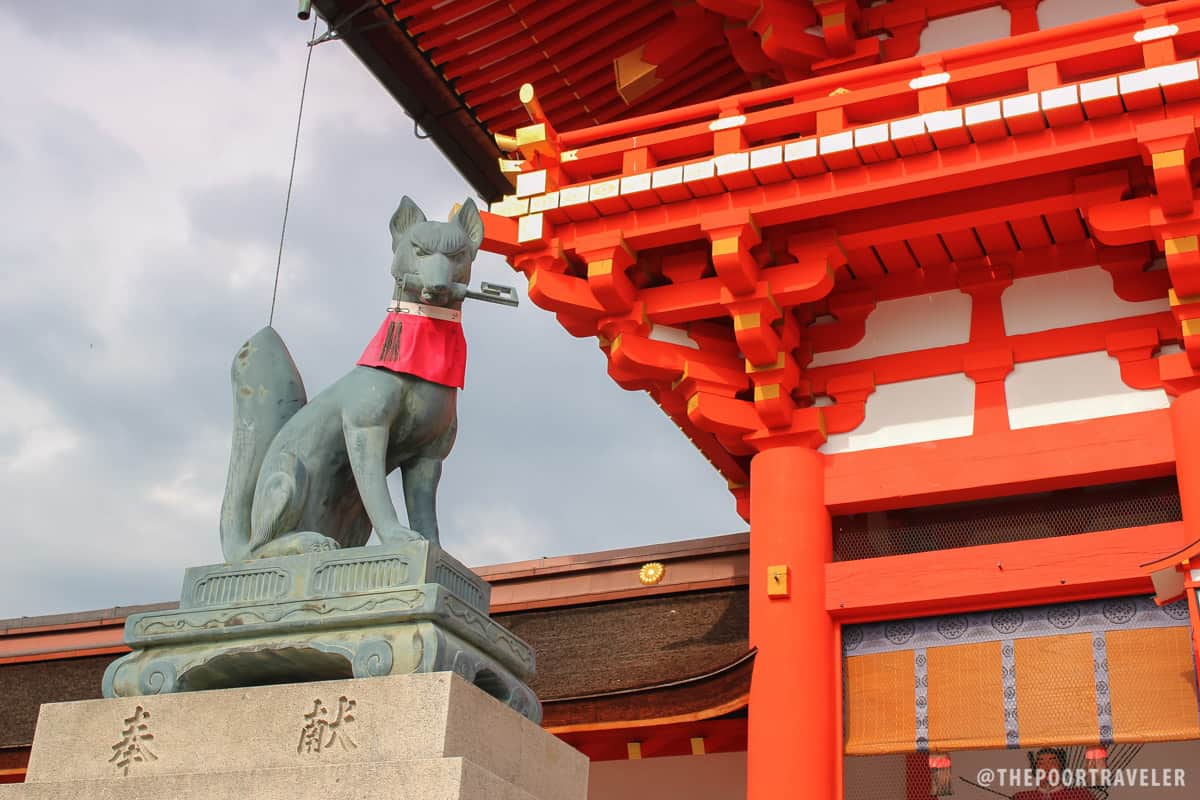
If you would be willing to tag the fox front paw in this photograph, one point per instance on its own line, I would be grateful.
(398, 534)
(295, 544)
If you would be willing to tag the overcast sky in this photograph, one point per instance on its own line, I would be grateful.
(144, 151)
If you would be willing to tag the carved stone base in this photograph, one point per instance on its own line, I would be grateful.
(412, 737)
(365, 612)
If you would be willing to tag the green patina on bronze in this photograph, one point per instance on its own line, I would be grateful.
(301, 597)
(360, 612)
(306, 476)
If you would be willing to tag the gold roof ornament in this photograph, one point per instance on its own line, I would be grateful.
(651, 573)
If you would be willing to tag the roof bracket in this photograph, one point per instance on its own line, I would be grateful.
(337, 30)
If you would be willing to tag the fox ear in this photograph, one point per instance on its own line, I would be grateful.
(405, 217)
(469, 220)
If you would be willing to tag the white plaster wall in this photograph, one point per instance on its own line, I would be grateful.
(721, 776)
(910, 323)
(1073, 388)
(960, 30)
(912, 411)
(665, 333)
(1062, 299)
(1052, 13)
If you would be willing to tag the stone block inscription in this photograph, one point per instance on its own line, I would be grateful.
(134, 746)
(322, 729)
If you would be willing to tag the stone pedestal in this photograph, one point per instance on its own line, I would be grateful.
(412, 737)
(361, 612)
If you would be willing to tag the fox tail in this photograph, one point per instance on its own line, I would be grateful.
(267, 392)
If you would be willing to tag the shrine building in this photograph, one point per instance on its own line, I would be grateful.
(921, 280)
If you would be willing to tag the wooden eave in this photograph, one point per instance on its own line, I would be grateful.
(724, 690)
(554, 603)
(393, 58)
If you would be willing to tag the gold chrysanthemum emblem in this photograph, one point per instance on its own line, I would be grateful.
(651, 573)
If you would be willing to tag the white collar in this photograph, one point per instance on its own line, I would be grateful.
(423, 310)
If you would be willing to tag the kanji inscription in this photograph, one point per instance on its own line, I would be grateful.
(134, 746)
(322, 730)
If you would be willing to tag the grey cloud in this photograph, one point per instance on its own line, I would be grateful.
(245, 211)
(80, 151)
(244, 25)
(553, 457)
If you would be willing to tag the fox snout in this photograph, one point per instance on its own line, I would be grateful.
(431, 261)
(444, 293)
(436, 293)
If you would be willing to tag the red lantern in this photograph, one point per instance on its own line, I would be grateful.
(939, 775)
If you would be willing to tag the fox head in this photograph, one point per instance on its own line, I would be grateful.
(431, 261)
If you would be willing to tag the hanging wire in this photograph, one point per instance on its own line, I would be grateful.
(292, 174)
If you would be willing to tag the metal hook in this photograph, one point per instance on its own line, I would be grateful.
(417, 128)
(335, 32)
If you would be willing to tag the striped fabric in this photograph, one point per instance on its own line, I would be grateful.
(1115, 671)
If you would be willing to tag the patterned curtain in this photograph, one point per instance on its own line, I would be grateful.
(1098, 672)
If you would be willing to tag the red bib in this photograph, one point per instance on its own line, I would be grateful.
(433, 349)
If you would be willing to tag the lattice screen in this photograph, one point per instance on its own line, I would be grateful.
(1011, 519)
(1105, 679)
(982, 774)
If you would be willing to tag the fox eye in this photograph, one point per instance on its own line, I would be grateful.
(421, 251)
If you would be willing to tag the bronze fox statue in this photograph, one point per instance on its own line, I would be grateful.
(312, 475)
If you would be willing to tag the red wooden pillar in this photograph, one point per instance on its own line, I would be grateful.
(793, 747)
(1193, 599)
(1185, 428)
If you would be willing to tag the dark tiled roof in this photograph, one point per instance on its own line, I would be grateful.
(632, 643)
(80, 617)
(25, 687)
(581, 650)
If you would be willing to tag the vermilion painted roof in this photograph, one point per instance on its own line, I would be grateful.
(487, 49)
(456, 65)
